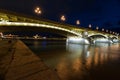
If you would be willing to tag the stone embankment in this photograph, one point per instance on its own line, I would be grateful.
(18, 62)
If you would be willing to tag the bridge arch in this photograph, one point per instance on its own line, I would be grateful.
(98, 35)
(114, 37)
(18, 25)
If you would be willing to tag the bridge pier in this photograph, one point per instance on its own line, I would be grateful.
(115, 40)
(104, 40)
(81, 40)
(78, 40)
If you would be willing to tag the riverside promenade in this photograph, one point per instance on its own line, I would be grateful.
(18, 62)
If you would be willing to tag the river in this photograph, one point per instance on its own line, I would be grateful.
(79, 62)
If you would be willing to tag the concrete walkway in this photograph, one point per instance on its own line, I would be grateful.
(21, 63)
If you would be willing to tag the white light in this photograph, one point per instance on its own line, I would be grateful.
(78, 40)
(90, 26)
(88, 53)
(103, 40)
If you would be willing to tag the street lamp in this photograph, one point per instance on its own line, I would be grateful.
(90, 26)
(78, 22)
(97, 27)
(62, 18)
(37, 10)
(106, 30)
(102, 29)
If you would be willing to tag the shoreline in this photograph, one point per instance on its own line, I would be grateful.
(25, 65)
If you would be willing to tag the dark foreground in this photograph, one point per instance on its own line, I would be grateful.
(17, 62)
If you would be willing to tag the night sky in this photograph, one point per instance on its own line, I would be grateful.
(102, 13)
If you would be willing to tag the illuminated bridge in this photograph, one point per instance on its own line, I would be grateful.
(11, 21)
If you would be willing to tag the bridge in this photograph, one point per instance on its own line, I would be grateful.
(11, 21)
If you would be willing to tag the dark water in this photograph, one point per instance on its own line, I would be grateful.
(79, 62)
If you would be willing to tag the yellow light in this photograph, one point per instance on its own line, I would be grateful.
(97, 28)
(37, 10)
(63, 18)
(78, 22)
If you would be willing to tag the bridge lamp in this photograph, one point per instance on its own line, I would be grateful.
(97, 28)
(110, 32)
(62, 18)
(106, 30)
(37, 10)
(89, 25)
(102, 29)
(78, 22)
(113, 32)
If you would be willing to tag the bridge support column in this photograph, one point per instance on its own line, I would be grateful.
(77, 40)
(84, 34)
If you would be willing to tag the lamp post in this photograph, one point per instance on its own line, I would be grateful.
(97, 28)
(102, 29)
(62, 18)
(89, 25)
(77, 22)
(37, 10)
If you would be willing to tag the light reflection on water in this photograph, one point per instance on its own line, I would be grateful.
(75, 61)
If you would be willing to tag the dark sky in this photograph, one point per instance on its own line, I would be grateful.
(102, 13)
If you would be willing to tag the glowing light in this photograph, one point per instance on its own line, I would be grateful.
(97, 27)
(1, 34)
(102, 29)
(36, 36)
(63, 18)
(115, 40)
(78, 40)
(103, 40)
(90, 26)
(78, 22)
(37, 10)
(88, 53)
(1, 19)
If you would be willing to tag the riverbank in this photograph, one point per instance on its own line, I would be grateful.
(18, 62)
